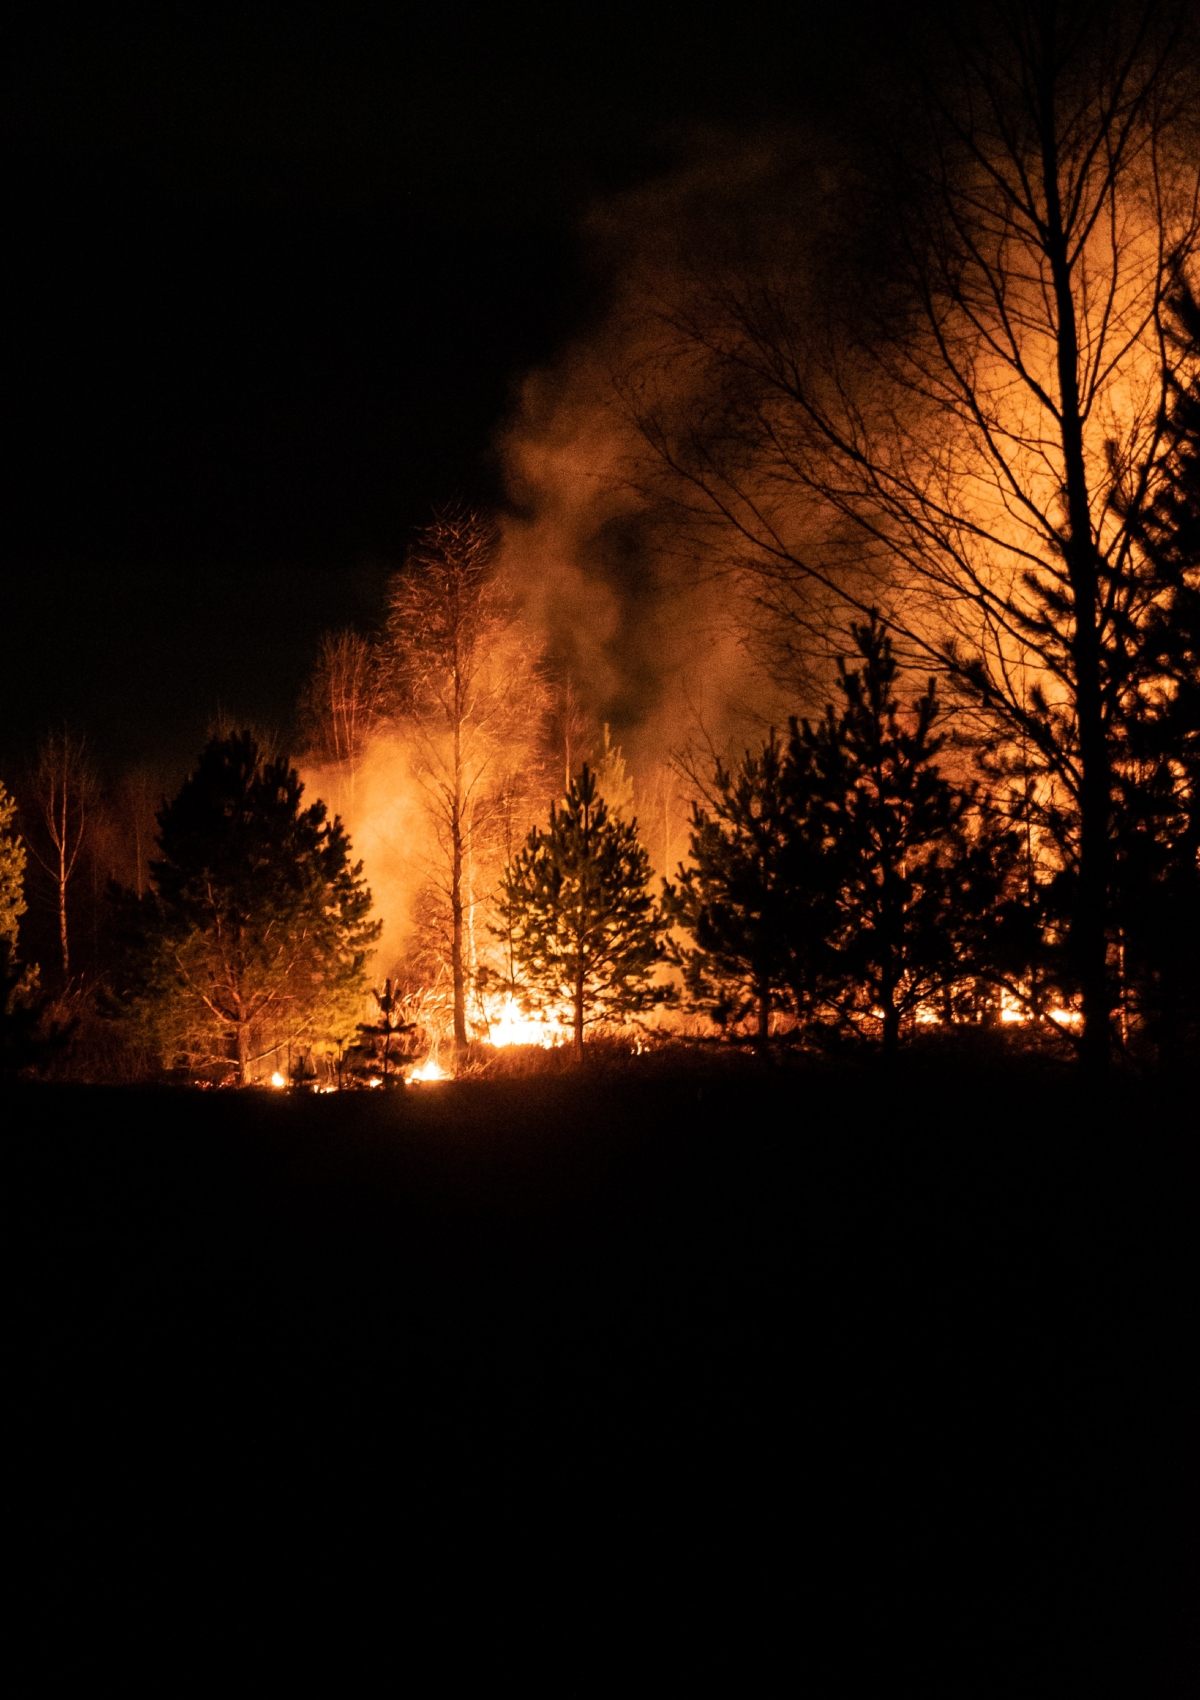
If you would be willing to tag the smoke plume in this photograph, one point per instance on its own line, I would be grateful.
(636, 590)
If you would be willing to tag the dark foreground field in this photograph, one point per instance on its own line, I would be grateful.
(827, 1382)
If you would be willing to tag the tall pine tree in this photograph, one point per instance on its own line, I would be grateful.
(577, 917)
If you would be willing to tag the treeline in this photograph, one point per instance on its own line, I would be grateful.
(950, 376)
(452, 707)
(845, 882)
(65, 837)
(840, 889)
(950, 420)
(226, 930)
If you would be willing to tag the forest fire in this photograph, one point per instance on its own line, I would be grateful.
(1015, 1012)
(429, 1070)
(953, 831)
(514, 1028)
(618, 600)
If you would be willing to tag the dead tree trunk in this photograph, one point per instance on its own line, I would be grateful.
(577, 1002)
(1095, 789)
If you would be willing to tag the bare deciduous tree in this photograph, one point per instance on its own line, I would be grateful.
(343, 703)
(467, 690)
(981, 420)
(65, 789)
(573, 731)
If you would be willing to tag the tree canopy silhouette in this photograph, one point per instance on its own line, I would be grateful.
(582, 929)
(916, 880)
(842, 876)
(954, 405)
(257, 932)
(756, 895)
(1157, 733)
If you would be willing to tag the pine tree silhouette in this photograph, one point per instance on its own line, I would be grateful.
(914, 885)
(755, 897)
(383, 1044)
(583, 930)
(1157, 783)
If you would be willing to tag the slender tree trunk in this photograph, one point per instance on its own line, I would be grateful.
(763, 1036)
(470, 951)
(243, 1052)
(577, 1000)
(456, 945)
(889, 980)
(62, 923)
(1090, 941)
(456, 906)
(64, 872)
(891, 934)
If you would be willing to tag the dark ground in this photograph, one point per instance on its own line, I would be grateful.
(828, 1383)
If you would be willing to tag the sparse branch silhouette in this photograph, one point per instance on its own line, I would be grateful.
(958, 417)
(466, 688)
(65, 788)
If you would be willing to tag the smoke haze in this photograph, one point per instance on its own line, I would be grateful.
(637, 592)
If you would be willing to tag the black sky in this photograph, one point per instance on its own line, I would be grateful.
(272, 276)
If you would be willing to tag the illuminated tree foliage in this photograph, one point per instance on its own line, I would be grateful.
(257, 933)
(29, 1038)
(12, 871)
(613, 779)
(22, 1016)
(467, 696)
(386, 1043)
(342, 705)
(20, 1007)
(583, 931)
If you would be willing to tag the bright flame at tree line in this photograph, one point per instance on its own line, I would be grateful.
(514, 1028)
(511, 1027)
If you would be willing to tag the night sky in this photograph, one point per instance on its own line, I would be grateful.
(273, 275)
